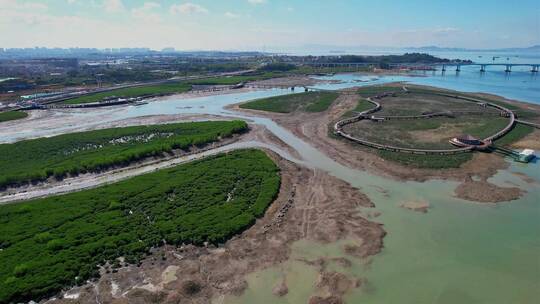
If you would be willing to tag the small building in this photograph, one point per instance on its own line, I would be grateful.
(469, 141)
(376, 119)
(526, 156)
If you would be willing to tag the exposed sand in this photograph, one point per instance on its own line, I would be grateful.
(532, 141)
(485, 192)
(311, 205)
(291, 81)
(418, 206)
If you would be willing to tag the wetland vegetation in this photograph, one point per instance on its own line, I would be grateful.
(38, 159)
(55, 242)
(463, 117)
(307, 102)
(12, 115)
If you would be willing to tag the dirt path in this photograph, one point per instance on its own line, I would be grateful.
(311, 205)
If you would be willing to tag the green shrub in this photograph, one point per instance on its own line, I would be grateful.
(70, 154)
(59, 241)
(12, 115)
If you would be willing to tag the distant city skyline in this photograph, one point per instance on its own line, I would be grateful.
(268, 24)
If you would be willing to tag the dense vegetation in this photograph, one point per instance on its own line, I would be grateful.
(37, 159)
(518, 132)
(370, 91)
(232, 80)
(388, 59)
(55, 242)
(308, 101)
(12, 115)
(430, 161)
(363, 105)
(158, 89)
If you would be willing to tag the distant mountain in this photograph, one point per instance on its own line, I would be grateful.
(534, 48)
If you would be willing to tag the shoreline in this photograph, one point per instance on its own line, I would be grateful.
(324, 216)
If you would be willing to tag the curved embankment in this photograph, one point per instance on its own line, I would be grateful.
(338, 127)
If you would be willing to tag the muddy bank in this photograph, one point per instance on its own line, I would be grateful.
(68, 121)
(484, 192)
(418, 206)
(531, 141)
(311, 205)
(291, 81)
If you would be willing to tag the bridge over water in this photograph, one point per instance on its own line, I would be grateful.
(535, 67)
(508, 66)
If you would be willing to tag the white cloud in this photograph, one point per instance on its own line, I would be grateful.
(257, 1)
(146, 12)
(15, 5)
(290, 9)
(231, 15)
(71, 1)
(113, 6)
(187, 8)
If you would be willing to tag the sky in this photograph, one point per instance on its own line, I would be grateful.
(269, 24)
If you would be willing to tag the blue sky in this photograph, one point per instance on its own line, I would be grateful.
(269, 24)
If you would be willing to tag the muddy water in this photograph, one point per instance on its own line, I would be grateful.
(459, 252)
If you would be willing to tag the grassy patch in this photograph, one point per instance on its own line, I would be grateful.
(432, 133)
(308, 101)
(165, 88)
(37, 159)
(518, 132)
(370, 91)
(12, 115)
(55, 242)
(231, 80)
(427, 161)
(487, 127)
(361, 106)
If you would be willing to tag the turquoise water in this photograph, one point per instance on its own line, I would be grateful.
(520, 84)
(459, 252)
